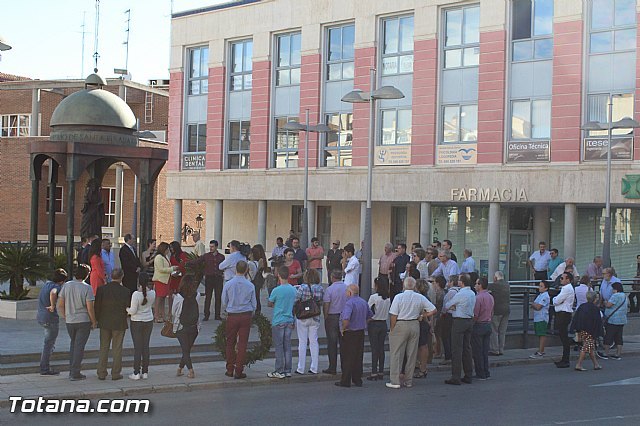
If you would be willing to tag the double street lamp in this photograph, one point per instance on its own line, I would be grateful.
(307, 128)
(355, 97)
(4, 45)
(609, 126)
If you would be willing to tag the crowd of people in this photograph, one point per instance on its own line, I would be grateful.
(428, 305)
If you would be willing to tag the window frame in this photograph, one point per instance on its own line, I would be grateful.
(108, 216)
(381, 111)
(463, 45)
(615, 133)
(339, 149)
(244, 72)
(46, 200)
(20, 131)
(290, 67)
(533, 39)
(399, 54)
(187, 135)
(203, 80)
(327, 52)
(239, 152)
(459, 123)
(530, 100)
(612, 29)
(287, 151)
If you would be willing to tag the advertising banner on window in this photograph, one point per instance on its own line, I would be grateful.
(528, 152)
(458, 154)
(595, 148)
(193, 161)
(393, 155)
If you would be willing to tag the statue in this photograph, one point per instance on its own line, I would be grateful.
(92, 210)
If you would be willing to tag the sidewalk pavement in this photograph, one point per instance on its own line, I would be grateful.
(210, 375)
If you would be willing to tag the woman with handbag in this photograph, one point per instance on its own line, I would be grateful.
(257, 266)
(178, 260)
(587, 323)
(615, 317)
(307, 309)
(186, 314)
(162, 270)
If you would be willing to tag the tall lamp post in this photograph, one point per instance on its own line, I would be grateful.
(307, 128)
(609, 126)
(355, 97)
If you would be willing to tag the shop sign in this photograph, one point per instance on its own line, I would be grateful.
(393, 155)
(631, 186)
(193, 161)
(488, 194)
(528, 152)
(458, 154)
(595, 148)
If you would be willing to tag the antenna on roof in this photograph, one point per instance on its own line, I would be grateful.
(95, 41)
(126, 42)
(83, 26)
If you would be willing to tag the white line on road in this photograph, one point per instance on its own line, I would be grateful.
(568, 422)
(631, 381)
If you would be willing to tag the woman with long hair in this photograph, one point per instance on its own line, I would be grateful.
(257, 265)
(141, 326)
(162, 270)
(178, 260)
(436, 296)
(307, 328)
(97, 276)
(185, 314)
(379, 303)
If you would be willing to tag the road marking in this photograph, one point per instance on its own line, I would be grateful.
(632, 381)
(632, 416)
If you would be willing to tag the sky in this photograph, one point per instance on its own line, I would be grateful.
(46, 37)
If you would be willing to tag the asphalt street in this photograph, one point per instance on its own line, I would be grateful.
(517, 395)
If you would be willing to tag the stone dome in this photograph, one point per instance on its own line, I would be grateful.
(95, 108)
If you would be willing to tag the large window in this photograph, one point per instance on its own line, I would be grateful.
(598, 108)
(239, 142)
(196, 137)
(109, 203)
(14, 125)
(396, 126)
(532, 29)
(398, 225)
(198, 83)
(288, 59)
(340, 52)
(286, 144)
(337, 150)
(58, 201)
(241, 65)
(613, 26)
(397, 51)
(531, 119)
(460, 60)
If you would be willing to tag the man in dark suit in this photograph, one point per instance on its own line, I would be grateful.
(130, 264)
(112, 300)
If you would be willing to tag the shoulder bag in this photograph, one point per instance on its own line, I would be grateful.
(308, 308)
(167, 330)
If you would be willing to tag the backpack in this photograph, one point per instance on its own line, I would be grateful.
(189, 315)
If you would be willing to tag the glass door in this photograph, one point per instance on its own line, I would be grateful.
(518, 255)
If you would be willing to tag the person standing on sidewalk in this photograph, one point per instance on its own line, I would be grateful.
(282, 299)
(563, 304)
(482, 313)
(185, 315)
(446, 319)
(541, 317)
(228, 266)
(307, 328)
(615, 316)
(539, 262)
(501, 293)
(461, 307)
(335, 296)
(48, 318)
(141, 325)
(379, 303)
(315, 254)
(354, 317)
(212, 278)
(239, 300)
(112, 301)
(75, 304)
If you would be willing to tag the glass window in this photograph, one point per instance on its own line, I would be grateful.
(288, 59)
(15, 125)
(198, 81)
(397, 52)
(462, 35)
(613, 26)
(241, 65)
(58, 200)
(338, 144)
(340, 52)
(196, 137)
(396, 126)
(460, 123)
(109, 203)
(531, 119)
(532, 29)
(398, 225)
(598, 111)
(286, 144)
(238, 145)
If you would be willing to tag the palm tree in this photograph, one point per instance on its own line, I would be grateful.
(19, 262)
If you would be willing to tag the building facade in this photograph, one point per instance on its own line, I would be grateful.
(485, 149)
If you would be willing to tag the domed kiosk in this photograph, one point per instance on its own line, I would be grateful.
(91, 130)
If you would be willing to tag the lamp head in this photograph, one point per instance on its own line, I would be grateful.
(626, 123)
(593, 125)
(294, 126)
(387, 92)
(356, 96)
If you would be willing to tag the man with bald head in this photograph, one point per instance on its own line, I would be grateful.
(353, 322)
(569, 261)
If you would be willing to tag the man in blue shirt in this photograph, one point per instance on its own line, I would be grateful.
(228, 266)
(469, 263)
(239, 299)
(48, 318)
(461, 307)
(108, 258)
(608, 278)
(554, 262)
(282, 299)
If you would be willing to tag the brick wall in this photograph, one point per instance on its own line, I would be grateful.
(423, 131)
(364, 59)
(215, 119)
(310, 99)
(260, 98)
(174, 136)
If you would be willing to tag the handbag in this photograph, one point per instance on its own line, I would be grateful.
(167, 330)
(606, 319)
(308, 308)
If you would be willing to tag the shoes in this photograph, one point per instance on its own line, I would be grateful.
(495, 353)
(601, 355)
(192, 374)
(228, 373)
(420, 374)
(480, 378)
(327, 371)
(580, 369)
(240, 376)
(342, 385)
(373, 377)
(452, 382)
(392, 385)
(102, 377)
(562, 364)
(380, 376)
(407, 385)
(117, 377)
(145, 376)
(78, 377)
(205, 319)
(599, 367)
(358, 385)
(50, 373)
(134, 376)
(297, 372)
(287, 374)
(537, 355)
(445, 362)
(466, 380)
(218, 318)
(275, 375)
(616, 357)
(312, 372)
(179, 373)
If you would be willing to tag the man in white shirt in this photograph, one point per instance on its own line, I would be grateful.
(199, 248)
(539, 261)
(563, 305)
(407, 309)
(228, 266)
(569, 261)
(461, 307)
(447, 265)
(352, 270)
(469, 264)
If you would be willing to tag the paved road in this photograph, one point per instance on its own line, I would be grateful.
(523, 395)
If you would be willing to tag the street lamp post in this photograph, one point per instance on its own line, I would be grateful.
(625, 123)
(306, 128)
(358, 96)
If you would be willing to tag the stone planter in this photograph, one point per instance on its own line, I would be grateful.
(20, 309)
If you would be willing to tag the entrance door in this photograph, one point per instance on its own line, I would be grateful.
(324, 226)
(519, 252)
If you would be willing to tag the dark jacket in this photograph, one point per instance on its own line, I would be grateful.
(130, 263)
(501, 293)
(587, 318)
(112, 300)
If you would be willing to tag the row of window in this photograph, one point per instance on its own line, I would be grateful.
(611, 44)
(15, 125)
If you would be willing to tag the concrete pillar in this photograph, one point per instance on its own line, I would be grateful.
(71, 209)
(53, 181)
(35, 199)
(34, 125)
(493, 238)
(541, 226)
(208, 225)
(217, 225)
(570, 224)
(311, 212)
(262, 223)
(425, 224)
(363, 217)
(177, 220)
(117, 232)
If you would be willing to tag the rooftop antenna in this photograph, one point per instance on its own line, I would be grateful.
(84, 16)
(126, 42)
(95, 41)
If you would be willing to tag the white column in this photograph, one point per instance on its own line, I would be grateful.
(262, 223)
(177, 220)
(363, 218)
(425, 224)
(541, 226)
(217, 226)
(569, 231)
(117, 231)
(311, 212)
(494, 239)
(34, 125)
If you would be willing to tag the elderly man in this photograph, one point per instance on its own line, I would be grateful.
(608, 278)
(386, 260)
(334, 299)
(447, 265)
(446, 320)
(501, 293)
(407, 309)
(461, 307)
(354, 317)
(482, 312)
(594, 270)
(539, 261)
(469, 263)
(198, 248)
(569, 261)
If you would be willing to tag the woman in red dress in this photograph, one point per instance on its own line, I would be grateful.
(178, 260)
(161, 274)
(295, 269)
(97, 276)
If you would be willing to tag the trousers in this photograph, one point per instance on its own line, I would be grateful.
(307, 329)
(480, 346)
(377, 335)
(281, 334)
(79, 334)
(110, 339)
(499, 325)
(332, 328)
(141, 335)
(212, 283)
(50, 335)
(461, 358)
(187, 337)
(403, 341)
(351, 353)
(563, 319)
(237, 331)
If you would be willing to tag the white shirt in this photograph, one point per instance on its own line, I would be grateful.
(581, 294)
(469, 265)
(381, 307)
(540, 261)
(352, 271)
(560, 270)
(409, 305)
(138, 311)
(563, 302)
(447, 269)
